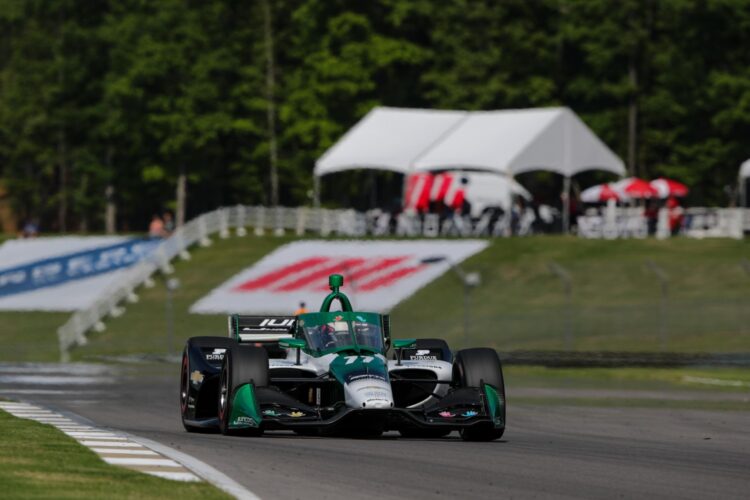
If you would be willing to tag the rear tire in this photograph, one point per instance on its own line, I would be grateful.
(242, 364)
(471, 368)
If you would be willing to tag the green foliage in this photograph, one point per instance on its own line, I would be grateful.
(128, 93)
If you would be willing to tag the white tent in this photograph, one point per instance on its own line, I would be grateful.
(517, 141)
(744, 174)
(745, 169)
(507, 142)
(388, 139)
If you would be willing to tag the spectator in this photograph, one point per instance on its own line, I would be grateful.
(301, 309)
(651, 213)
(30, 229)
(168, 223)
(156, 228)
(676, 215)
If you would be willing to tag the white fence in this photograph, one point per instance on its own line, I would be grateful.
(623, 222)
(699, 222)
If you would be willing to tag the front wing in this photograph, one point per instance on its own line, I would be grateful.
(269, 408)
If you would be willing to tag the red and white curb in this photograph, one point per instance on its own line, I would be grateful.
(118, 448)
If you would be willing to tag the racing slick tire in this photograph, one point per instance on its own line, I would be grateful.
(195, 343)
(242, 364)
(471, 368)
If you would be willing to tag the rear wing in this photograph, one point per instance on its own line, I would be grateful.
(261, 328)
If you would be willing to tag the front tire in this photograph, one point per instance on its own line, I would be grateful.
(472, 368)
(193, 361)
(242, 364)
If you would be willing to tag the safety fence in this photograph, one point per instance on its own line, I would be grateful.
(301, 221)
(630, 222)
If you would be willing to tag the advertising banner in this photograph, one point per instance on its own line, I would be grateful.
(377, 274)
(63, 274)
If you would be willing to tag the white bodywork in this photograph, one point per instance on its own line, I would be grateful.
(368, 392)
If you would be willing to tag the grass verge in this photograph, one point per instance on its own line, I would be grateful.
(729, 380)
(662, 404)
(38, 461)
(520, 304)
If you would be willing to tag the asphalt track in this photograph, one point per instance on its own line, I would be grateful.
(547, 451)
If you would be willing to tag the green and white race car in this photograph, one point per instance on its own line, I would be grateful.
(338, 372)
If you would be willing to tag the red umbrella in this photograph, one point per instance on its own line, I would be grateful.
(633, 187)
(667, 187)
(599, 194)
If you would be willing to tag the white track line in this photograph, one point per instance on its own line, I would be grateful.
(119, 444)
(118, 451)
(162, 462)
(141, 451)
(176, 476)
(217, 478)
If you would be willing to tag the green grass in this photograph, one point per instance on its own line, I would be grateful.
(616, 298)
(621, 387)
(519, 305)
(665, 404)
(687, 379)
(38, 461)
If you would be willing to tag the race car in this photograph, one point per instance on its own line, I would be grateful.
(338, 372)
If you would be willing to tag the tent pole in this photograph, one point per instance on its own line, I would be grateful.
(316, 191)
(566, 204)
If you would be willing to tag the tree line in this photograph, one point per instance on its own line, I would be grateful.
(135, 103)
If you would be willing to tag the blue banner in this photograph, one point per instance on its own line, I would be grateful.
(74, 266)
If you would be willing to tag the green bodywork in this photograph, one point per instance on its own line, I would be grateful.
(343, 368)
(336, 281)
(495, 405)
(245, 411)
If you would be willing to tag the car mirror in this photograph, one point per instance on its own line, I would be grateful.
(292, 343)
(400, 345)
(404, 343)
(298, 344)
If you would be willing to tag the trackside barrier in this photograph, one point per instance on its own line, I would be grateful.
(349, 223)
(698, 222)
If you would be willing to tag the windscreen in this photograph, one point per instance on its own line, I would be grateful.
(331, 331)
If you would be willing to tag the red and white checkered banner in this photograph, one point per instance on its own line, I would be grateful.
(377, 275)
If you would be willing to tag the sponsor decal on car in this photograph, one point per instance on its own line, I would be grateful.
(446, 414)
(373, 395)
(271, 413)
(275, 322)
(423, 355)
(243, 420)
(196, 377)
(470, 413)
(216, 355)
(296, 414)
